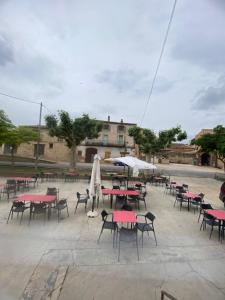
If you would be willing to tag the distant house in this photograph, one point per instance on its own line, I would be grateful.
(113, 141)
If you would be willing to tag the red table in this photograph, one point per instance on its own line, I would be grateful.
(36, 198)
(113, 192)
(189, 196)
(123, 216)
(217, 214)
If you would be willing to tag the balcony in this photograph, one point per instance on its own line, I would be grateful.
(102, 143)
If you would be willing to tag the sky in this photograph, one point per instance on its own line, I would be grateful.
(99, 57)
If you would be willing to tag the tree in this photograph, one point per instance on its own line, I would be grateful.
(151, 144)
(213, 143)
(73, 131)
(18, 135)
(5, 126)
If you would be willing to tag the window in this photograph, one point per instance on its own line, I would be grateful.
(60, 140)
(41, 149)
(106, 127)
(107, 154)
(51, 146)
(121, 128)
(105, 139)
(120, 139)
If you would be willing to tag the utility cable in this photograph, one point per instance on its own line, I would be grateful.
(159, 61)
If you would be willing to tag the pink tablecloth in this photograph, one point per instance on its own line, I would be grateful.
(123, 216)
(190, 195)
(216, 213)
(36, 198)
(119, 192)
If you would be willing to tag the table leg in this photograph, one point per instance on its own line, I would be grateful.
(219, 233)
(111, 200)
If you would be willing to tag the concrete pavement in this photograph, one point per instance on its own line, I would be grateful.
(64, 261)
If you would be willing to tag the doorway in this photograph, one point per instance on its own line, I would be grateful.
(205, 159)
(90, 153)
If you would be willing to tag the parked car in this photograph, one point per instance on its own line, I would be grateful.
(118, 163)
(222, 193)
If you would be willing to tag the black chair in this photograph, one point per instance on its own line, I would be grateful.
(141, 198)
(204, 206)
(185, 187)
(22, 185)
(37, 209)
(34, 180)
(108, 225)
(60, 205)
(209, 220)
(128, 235)
(127, 207)
(147, 226)
(120, 201)
(168, 187)
(17, 207)
(53, 191)
(116, 187)
(10, 188)
(180, 198)
(83, 199)
(133, 200)
(196, 202)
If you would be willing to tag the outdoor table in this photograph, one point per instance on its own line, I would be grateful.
(123, 216)
(40, 198)
(112, 192)
(136, 183)
(219, 215)
(189, 196)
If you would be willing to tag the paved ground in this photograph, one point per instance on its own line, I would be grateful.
(64, 261)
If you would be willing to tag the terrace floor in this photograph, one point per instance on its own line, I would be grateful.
(51, 260)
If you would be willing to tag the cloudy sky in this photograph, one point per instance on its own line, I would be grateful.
(99, 57)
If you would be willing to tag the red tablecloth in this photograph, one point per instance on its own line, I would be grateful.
(36, 198)
(123, 216)
(23, 178)
(216, 213)
(119, 192)
(190, 195)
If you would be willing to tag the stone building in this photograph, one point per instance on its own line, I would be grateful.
(113, 141)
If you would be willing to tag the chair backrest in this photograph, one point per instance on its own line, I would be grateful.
(201, 195)
(18, 204)
(102, 187)
(150, 216)
(206, 206)
(104, 215)
(78, 195)
(126, 207)
(179, 196)
(87, 191)
(52, 191)
(116, 187)
(143, 195)
(11, 181)
(130, 188)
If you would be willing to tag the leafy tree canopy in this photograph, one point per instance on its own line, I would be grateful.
(151, 143)
(5, 126)
(214, 142)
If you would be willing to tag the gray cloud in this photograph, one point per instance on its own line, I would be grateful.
(121, 80)
(6, 51)
(211, 97)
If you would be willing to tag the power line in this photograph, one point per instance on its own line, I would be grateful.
(159, 61)
(21, 99)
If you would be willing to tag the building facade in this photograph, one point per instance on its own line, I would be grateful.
(113, 141)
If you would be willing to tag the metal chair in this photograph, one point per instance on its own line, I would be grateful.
(147, 226)
(179, 198)
(10, 188)
(53, 191)
(204, 206)
(128, 235)
(17, 207)
(141, 198)
(108, 225)
(82, 198)
(60, 205)
(37, 209)
(209, 220)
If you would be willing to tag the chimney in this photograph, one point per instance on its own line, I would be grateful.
(121, 121)
(108, 118)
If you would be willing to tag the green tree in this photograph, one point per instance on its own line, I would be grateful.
(18, 135)
(5, 126)
(213, 143)
(73, 131)
(150, 144)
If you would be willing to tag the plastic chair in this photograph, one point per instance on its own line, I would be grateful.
(83, 199)
(147, 226)
(108, 225)
(17, 207)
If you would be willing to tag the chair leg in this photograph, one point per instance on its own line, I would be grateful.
(199, 216)
(211, 232)
(58, 215)
(142, 238)
(155, 237)
(21, 217)
(119, 250)
(9, 216)
(137, 246)
(75, 208)
(145, 205)
(100, 234)
(67, 211)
